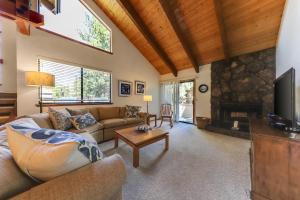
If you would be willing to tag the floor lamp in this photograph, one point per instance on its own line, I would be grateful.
(147, 98)
(39, 79)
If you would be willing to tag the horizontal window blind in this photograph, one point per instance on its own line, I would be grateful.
(75, 84)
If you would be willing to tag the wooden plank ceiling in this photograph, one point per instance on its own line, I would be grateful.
(179, 34)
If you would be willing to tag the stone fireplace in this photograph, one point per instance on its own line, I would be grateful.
(240, 89)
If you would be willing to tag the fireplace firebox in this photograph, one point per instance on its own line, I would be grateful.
(233, 118)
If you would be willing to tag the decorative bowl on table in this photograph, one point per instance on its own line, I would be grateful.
(143, 128)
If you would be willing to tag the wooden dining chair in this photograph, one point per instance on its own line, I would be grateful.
(166, 113)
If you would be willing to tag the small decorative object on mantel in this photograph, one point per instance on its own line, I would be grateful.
(235, 126)
(140, 87)
(125, 88)
(203, 88)
(143, 128)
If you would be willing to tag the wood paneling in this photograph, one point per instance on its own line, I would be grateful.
(271, 176)
(8, 107)
(251, 25)
(185, 42)
(214, 29)
(199, 20)
(223, 34)
(275, 163)
(258, 197)
(150, 37)
(294, 172)
(156, 20)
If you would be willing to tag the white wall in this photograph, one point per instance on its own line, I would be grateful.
(202, 100)
(8, 71)
(126, 63)
(288, 47)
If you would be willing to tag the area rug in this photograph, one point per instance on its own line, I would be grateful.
(199, 165)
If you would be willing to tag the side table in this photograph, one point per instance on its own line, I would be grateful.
(152, 116)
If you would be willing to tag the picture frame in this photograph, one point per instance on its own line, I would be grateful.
(125, 88)
(140, 87)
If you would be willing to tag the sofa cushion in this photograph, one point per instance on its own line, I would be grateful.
(83, 121)
(109, 112)
(3, 138)
(90, 129)
(12, 179)
(45, 154)
(42, 119)
(122, 112)
(60, 119)
(112, 123)
(29, 122)
(132, 111)
(74, 112)
(133, 120)
(95, 112)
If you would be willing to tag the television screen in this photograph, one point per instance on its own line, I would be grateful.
(284, 96)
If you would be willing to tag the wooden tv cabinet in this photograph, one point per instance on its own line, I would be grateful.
(275, 163)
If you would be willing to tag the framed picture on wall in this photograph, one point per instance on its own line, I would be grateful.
(140, 87)
(125, 88)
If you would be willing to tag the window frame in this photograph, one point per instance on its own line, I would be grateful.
(75, 102)
(78, 41)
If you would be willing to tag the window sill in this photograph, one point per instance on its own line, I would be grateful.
(73, 104)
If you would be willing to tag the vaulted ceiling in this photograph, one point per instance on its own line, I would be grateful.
(179, 34)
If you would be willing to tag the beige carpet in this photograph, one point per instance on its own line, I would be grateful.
(199, 165)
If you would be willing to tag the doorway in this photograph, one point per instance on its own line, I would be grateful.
(186, 105)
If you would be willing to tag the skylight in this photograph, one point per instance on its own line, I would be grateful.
(77, 22)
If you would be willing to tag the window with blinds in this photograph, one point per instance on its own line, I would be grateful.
(75, 84)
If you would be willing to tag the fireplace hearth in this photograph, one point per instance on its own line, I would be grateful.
(233, 118)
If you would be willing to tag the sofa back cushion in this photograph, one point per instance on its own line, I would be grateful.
(42, 119)
(95, 112)
(122, 112)
(60, 119)
(109, 112)
(74, 112)
(83, 121)
(132, 111)
(12, 180)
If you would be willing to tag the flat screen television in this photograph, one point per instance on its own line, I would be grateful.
(284, 96)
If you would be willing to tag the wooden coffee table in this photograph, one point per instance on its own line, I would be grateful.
(138, 140)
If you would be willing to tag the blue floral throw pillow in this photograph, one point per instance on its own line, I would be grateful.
(44, 154)
(83, 121)
(132, 111)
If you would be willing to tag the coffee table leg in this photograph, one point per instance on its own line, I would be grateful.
(167, 143)
(136, 157)
(116, 141)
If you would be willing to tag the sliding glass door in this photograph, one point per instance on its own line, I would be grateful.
(186, 101)
(169, 95)
(181, 96)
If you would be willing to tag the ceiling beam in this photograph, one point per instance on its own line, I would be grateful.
(49, 5)
(180, 33)
(140, 24)
(223, 34)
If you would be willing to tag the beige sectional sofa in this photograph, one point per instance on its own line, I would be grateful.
(108, 118)
(101, 180)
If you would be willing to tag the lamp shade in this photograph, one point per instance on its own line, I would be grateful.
(33, 78)
(147, 97)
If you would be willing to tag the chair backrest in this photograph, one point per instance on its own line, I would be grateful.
(166, 110)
